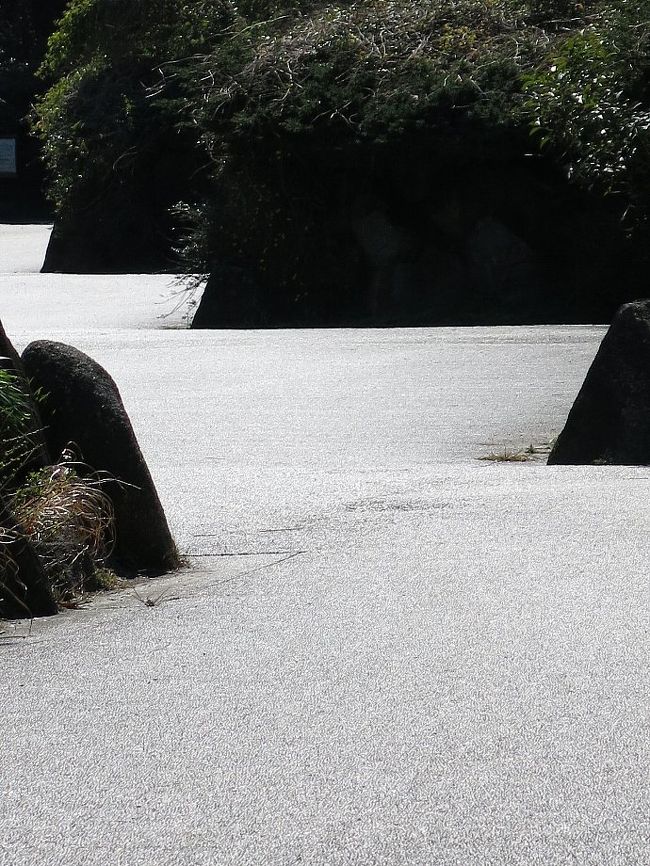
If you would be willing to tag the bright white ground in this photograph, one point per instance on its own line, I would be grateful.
(414, 656)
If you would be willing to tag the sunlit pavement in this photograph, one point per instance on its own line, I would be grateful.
(386, 650)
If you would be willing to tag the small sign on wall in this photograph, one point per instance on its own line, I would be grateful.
(8, 157)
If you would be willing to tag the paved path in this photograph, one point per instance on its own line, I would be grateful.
(386, 651)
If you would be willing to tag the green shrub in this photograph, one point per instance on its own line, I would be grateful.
(110, 109)
(590, 102)
(232, 80)
(18, 443)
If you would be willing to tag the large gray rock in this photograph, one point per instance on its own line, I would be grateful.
(610, 419)
(24, 588)
(84, 406)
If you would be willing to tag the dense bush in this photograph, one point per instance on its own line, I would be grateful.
(577, 73)
(589, 99)
(115, 142)
(249, 96)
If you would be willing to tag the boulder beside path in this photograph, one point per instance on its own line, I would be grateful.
(610, 419)
(83, 406)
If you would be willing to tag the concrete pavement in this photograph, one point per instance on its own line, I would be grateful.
(386, 651)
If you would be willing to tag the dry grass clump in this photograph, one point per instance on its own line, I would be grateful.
(62, 509)
(69, 520)
(506, 456)
(522, 455)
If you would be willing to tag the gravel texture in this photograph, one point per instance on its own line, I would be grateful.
(386, 650)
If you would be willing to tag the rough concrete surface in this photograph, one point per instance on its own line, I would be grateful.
(386, 651)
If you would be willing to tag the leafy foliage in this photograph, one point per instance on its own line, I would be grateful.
(590, 101)
(17, 428)
(373, 67)
(106, 114)
(231, 80)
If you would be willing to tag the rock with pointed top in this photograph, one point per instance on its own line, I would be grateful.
(83, 406)
(610, 419)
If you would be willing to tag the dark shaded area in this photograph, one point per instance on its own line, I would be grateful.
(385, 178)
(25, 26)
(459, 227)
(83, 406)
(127, 227)
(610, 419)
(22, 198)
(24, 588)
